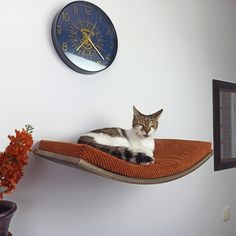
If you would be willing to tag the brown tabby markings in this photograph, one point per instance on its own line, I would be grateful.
(86, 139)
(146, 121)
(113, 132)
(116, 151)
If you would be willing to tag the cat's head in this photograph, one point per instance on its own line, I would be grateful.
(145, 125)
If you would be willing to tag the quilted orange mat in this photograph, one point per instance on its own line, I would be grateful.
(171, 157)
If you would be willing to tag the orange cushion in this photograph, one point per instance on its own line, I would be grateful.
(171, 157)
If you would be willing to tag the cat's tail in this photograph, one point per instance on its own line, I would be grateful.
(121, 152)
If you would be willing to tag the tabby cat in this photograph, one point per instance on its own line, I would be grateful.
(135, 145)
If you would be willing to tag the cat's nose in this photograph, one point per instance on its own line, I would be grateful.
(146, 134)
(147, 131)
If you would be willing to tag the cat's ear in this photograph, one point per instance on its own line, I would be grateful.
(157, 114)
(136, 112)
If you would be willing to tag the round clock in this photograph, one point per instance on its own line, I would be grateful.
(84, 37)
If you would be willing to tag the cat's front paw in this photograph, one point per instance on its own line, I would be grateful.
(144, 159)
(146, 163)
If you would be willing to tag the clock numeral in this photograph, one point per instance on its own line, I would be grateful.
(58, 29)
(88, 11)
(112, 45)
(87, 54)
(99, 62)
(83, 53)
(108, 58)
(108, 32)
(76, 9)
(64, 47)
(65, 16)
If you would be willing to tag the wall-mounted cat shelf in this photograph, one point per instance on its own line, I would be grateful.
(174, 159)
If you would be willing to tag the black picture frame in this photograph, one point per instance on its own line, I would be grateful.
(224, 123)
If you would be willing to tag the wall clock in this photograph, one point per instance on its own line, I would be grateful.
(84, 37)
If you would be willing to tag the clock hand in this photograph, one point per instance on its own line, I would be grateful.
(92, 29)
(89, 39)
(78, 48)
(96, 49)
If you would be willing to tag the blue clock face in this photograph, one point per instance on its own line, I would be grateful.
(84, 37)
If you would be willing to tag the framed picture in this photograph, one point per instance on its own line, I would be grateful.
(224, 124)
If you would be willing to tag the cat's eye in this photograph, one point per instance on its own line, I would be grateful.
(141, 127)
(154, 126)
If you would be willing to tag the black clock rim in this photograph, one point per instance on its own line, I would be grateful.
(62, 55)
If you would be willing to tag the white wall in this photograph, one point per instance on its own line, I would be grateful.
(169, 52)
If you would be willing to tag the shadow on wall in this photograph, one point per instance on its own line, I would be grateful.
(73, 195)
(58, 183)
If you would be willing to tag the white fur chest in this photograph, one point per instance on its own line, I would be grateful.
(108, 140)
(141, 144)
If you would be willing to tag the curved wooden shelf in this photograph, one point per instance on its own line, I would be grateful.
(174, 159)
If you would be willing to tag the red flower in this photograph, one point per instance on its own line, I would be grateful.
(14, 158)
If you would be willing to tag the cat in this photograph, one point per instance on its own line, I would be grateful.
(135, 145)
